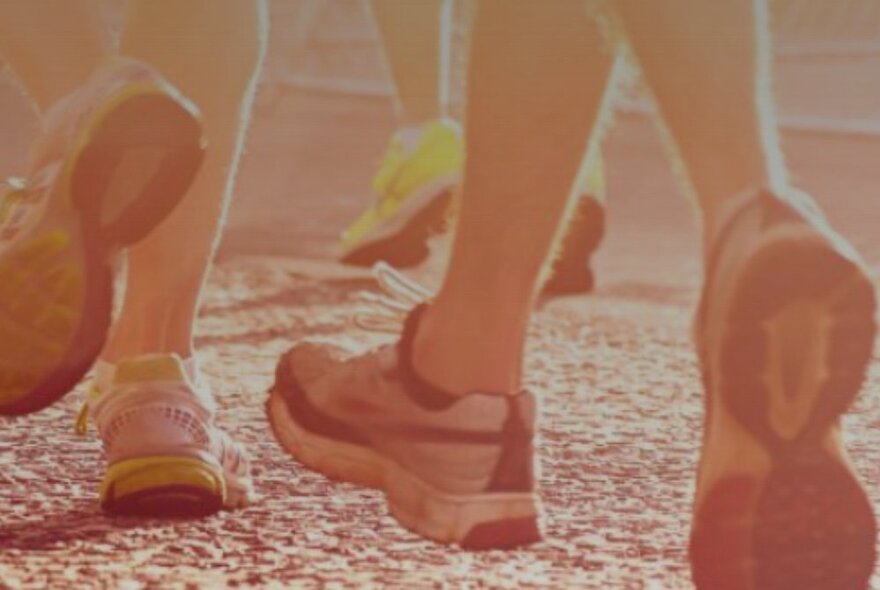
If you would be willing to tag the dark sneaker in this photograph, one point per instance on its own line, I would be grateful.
(572, 274)
(785, 331)
(454, 469)
(115, 157)
(415, 189)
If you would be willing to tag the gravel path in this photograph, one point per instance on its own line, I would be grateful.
(620, 434)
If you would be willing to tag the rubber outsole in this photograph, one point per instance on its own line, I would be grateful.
(141, 129)
(473, 521)
(163, 487)
(806, 523)
(406, 247)
(571, 274)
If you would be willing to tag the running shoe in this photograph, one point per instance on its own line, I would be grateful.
(165, 454)
(455, 469)
(113, 160)
(785, 331)
(413, 189)
(572, 273)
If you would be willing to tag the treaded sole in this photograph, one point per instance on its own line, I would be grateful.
(474, 521)
(807, 523)
(137, 124)
(407, 247)
(163, 487)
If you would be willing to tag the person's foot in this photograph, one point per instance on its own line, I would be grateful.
(415, 185)
(165, 454)
(114, 159)
(785, 331)
(413, 189)
(454, 469)
(571, 273)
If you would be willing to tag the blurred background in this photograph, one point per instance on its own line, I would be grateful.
(324, 113)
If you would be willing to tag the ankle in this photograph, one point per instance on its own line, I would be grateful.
(124, 344)
(116, 354)
(461, 362)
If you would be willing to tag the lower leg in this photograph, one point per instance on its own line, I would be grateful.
(53, 45)
(530, 110)
(211, 50)
(416, 48)
(708, 66)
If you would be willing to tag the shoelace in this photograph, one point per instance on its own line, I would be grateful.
(19, 194)
(389, 309)
(16, 192)
(81, 424)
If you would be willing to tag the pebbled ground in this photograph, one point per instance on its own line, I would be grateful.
(620, 434)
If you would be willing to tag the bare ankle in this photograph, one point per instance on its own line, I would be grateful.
(127, 343)
(459, 361)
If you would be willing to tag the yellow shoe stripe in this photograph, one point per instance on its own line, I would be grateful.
(134, 476)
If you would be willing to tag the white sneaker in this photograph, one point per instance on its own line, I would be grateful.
(165, 454)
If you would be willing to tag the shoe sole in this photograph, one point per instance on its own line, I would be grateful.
(170, 487)
(405, 246)
(472, 521)
(57, 294)
(806, 523)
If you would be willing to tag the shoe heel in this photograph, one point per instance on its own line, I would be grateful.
(806, 523)
(163, 487)
(407, 247)
(807, 526)
(140, 159)
(473, 521)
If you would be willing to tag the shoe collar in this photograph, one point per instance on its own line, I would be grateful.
(425, 394)
(148, 368)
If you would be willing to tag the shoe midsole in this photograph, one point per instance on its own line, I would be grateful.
(418, 505)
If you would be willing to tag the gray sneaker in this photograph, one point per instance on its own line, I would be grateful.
(785, 333)
(455, 469)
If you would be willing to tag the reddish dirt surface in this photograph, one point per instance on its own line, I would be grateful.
(616, 372)
(619, 445)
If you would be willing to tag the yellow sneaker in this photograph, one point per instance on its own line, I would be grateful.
(415, 184)
(115, 157)
(413, 187)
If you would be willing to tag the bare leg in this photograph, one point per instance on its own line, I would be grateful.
(53, 45)
(416, 50)
(211, 50)
(530, 110)
(708, 66)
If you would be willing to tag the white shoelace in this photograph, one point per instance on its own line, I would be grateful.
(20, 196)
(390, 308)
